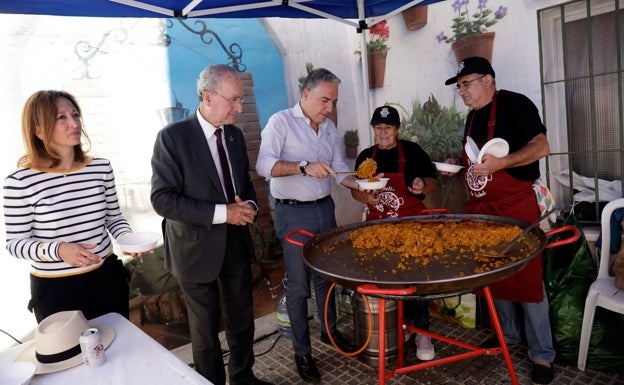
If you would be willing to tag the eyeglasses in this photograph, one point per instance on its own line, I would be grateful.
(466, 84)
(232, 101)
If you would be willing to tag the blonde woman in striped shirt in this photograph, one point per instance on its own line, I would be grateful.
(60, 206)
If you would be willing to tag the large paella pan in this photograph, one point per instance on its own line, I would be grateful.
(333, 255)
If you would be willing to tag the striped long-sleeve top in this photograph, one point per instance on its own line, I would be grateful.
(43, 209)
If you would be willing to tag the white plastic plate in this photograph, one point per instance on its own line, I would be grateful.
(472, 150)
(447, 167)
(138, 242)
(366, 185)
(497, 147)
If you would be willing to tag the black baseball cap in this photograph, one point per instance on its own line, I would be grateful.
(472, 65)
(386, 114)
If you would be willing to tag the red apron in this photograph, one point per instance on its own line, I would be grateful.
(396, 200)
(503, 195)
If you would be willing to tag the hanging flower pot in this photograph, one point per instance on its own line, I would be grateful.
(351, 151)
(376, 51)
(351, 142)
(376, 68)
(474, 45)
(415, 17)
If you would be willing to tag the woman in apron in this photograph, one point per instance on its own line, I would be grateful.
(411, 175)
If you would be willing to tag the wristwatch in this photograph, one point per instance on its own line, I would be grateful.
(302, 166)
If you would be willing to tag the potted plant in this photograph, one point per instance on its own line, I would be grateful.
(470, 36)
(351, 141)
(376, 52)
(415, 17)
(439, 131)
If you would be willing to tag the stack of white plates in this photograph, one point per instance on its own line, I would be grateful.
(497, 147)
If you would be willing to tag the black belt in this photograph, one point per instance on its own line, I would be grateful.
(296, 202)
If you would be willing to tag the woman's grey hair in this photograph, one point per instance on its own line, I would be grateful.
(316, 76)
(212, 76)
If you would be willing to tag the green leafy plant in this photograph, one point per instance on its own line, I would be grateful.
(466, 24)
(302, 78)
(380, 33)
(351, 137)
(437, 129)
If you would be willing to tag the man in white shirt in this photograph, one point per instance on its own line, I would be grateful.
(299, 152)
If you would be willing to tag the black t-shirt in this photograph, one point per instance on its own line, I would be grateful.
(517, 121)
(417, 162)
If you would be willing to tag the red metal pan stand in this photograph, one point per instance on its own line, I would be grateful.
(409, 292)
(400, 368)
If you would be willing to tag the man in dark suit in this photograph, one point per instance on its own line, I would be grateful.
(202, 188)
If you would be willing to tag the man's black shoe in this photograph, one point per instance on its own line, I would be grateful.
(307, 369)
(542, 375)
(491, 342)
(340, 341)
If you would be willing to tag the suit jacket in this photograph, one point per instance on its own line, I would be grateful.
(185, 190)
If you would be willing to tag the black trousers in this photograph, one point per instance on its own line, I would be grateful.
(98, 292)
(230, 293)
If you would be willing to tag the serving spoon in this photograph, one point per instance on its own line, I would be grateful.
(494, 252)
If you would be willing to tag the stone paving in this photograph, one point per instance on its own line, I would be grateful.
(275, 363)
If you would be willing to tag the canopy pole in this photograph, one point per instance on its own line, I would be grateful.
(362, 28)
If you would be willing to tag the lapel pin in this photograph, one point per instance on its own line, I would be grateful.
(231, 139)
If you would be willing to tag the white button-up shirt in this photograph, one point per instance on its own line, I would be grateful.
(288, 136)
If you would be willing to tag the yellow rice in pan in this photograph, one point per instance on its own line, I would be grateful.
(420, 241)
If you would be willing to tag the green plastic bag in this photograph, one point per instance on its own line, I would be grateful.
(569, 270)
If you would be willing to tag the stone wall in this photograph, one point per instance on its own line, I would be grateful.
(267, 245)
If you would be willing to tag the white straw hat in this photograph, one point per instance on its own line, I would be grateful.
(56, 344)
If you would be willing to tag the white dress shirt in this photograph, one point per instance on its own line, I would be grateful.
(288, 136)
(220, 213)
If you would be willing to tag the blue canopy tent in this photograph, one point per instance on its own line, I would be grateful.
(361, 14)
(331, 9)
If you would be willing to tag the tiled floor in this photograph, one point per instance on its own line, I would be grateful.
(275, 363)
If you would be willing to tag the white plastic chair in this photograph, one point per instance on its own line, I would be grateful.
(602, 291)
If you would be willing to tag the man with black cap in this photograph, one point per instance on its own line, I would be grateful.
(504, 186)
(411, 175)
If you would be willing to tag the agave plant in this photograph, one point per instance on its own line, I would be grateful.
(438, 130)
(351, 137)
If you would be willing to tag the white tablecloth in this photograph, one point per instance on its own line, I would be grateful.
(134, 358)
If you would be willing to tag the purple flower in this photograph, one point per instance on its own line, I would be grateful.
(441, 37)
(466, 24)
(457, 5)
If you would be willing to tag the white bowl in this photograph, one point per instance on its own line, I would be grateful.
(497, 147)
(366, 185)
(472, 150)
(138, 242)
(17, 373)
(447, 167)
